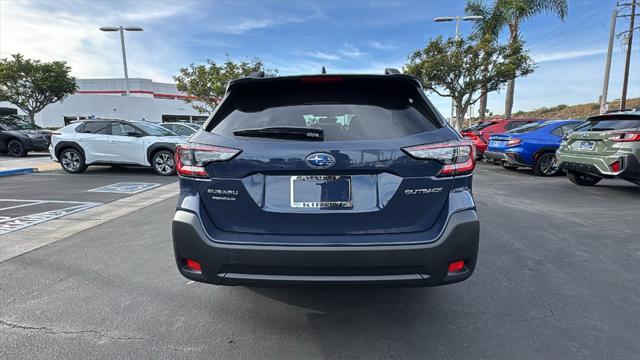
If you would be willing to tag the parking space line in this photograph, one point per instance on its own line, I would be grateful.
(125, 187)
(33, 202)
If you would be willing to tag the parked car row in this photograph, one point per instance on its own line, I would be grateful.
(116, 142)
(18, 137)
(603, 146)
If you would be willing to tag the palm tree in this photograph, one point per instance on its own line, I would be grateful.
(490, 28)
(512, 13)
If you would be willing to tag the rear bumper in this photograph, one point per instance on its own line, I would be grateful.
(399, 265)
(599, 166)
(509, 157)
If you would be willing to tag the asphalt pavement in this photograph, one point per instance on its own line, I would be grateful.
(556, 279)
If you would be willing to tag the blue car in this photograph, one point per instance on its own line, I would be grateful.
(326, 179)
(533, 145)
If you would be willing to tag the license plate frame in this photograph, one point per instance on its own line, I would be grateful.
(586, 145)
(320, 204)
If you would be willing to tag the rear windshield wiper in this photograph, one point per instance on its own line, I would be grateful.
(283, 132)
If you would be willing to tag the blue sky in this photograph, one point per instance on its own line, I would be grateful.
(301, 36)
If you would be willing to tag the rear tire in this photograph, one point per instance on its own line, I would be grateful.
(583, 179)
(163, 163)
(546, 165)
(508, 166)
(72, 161)
(15, 148)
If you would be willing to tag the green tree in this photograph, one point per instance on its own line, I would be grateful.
(31, 84)
(459, 68)
(206, 83)
(512, 13)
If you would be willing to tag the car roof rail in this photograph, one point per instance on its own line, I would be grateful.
(391, 71)
(257, 74)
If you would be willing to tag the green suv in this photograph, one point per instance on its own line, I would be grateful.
(605, 146)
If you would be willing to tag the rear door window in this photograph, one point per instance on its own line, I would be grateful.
(120, 129)
(96, 127)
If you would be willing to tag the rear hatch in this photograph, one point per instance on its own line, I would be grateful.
(603, 135)
(324, 156)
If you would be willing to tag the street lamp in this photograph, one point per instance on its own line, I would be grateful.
(124, 53)
(457, 20)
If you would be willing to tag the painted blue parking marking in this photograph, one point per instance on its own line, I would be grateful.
(125, 187)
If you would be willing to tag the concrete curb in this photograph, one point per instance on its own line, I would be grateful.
(18, 171)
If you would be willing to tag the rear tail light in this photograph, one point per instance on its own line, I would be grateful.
(192, 158)
(513, 142)
(457, 156)
(470, 135)
(615, 166)
(626, 136)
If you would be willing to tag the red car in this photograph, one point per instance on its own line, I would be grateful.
(480, 132)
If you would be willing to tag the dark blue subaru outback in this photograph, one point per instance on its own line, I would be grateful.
(327, 179)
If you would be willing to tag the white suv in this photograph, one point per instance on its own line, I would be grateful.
(115, 142)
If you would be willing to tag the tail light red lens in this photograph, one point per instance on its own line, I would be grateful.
(192, 158)
(513, 142)
(457, 156)
(626, 136)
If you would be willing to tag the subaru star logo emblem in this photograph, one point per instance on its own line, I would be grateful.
(320, 160)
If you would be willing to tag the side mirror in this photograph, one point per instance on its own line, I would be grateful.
(134, 134)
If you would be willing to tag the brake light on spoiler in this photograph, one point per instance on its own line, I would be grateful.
(192, 158)
(457, 156)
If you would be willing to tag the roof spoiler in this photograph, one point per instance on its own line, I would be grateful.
(257, 74)
(391, 71)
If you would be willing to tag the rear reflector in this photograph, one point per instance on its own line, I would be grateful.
(625, 136)
(456, 266)
(192, 158)
(457, 156)
(193, 265)
(615, 166)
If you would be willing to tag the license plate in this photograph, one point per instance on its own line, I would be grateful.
(586, 145)
(321, 191)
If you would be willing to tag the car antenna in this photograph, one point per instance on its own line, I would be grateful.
(324, 71)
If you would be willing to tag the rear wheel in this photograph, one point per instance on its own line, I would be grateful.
(164, 163)
(546, 165)
(509, 166)
(72, 161)
(16, 148)
(583, 179)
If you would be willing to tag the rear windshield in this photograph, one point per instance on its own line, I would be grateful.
(529, 127)
(343, 114)
(479, 126)
(606, 125)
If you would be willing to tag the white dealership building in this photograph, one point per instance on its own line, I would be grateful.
(106, 98)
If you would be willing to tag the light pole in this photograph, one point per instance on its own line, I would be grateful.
(457, 20)
(124, 52)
